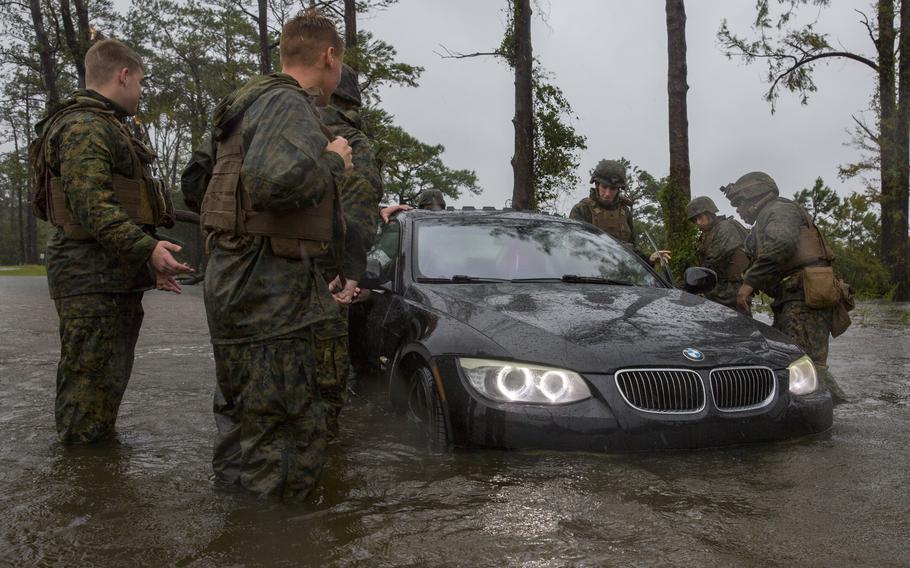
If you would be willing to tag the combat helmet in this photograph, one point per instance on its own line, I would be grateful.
(431, 199)
(348, 89)
(752, 186)
(699, 205)
(610, 173)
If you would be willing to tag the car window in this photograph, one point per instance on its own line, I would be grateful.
(512, 249)
(387, 249)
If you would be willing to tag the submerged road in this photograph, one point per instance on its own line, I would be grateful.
(842, 499)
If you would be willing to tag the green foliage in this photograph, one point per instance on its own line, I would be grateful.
(409, 166)
(24, 270)
(556, 143)
(679, 231)
(852, 228)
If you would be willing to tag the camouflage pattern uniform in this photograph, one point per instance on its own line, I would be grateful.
(615, 218)
(716, 247)
(771, 245)
(361, 191)
(97, 283)
(262, 308)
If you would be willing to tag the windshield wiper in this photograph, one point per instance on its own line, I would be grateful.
(459, 279)
(576, 279)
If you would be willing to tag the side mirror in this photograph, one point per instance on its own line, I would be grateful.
(372, 276)
(698, 280)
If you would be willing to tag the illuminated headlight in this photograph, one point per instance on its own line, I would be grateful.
(803, 378)
(506, 381)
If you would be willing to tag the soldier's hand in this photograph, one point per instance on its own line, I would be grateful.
(167, 284)
(660, 256)
(164, 262)
(340, 146)
(744, 297)
(348, 293)
(387, 212)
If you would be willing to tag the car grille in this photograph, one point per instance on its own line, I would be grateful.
(742, 388)
(671, 391)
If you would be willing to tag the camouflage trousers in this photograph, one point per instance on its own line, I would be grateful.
(270, 416)
(98, 334)
(810, 330)
(333, 366)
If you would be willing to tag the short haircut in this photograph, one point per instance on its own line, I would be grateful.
(305, 36)
(106, 58)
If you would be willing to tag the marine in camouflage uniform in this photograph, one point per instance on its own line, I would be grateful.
(361, 192)
(431, 200)
(262, 308)
(778, 253)
(96, 267)
(612, 216)
(719, 247)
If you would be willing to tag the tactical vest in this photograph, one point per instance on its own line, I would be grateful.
(227, 210)
(144, 199)
(614, 221)
(811, 248)
(738, 262)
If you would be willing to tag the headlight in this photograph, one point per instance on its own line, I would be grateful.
(506, 381)
(803, 378)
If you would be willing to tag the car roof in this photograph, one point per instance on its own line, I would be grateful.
(484, 213)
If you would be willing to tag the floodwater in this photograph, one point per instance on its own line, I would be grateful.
(841, 499)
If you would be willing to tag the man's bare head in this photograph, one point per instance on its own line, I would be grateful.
(312, 49)
(306, 36)
(115, 71)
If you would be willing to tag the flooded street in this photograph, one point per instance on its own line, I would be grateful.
(148, 499)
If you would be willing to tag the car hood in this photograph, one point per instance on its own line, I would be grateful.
(599, 328)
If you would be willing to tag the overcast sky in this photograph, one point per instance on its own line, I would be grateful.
(610, 59)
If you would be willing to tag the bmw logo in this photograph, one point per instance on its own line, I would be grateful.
(693, 354)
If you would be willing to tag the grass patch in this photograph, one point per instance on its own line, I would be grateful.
(24, 270)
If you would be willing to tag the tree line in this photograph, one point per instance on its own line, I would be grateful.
(198, 51)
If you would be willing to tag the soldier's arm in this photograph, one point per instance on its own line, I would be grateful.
(724, 245)
(632, 229)
(777, 241)
(580, 213)
(361, 214)
(196, 174)
(286, 164)
(86, 168)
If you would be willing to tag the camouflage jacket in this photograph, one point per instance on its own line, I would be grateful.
(86, 151)
(361, 192)
(715, 249)
(584, 211)
(771, 244)
(250, 294)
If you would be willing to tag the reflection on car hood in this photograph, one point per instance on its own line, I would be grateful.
(599, 328)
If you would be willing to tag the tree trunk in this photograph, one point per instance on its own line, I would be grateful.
(677, 227)
(77, 52)
(265, 58)
(899, 274)
(350, 24)
(894, 231)
(523, 159)
(677, 87)
(48, 73)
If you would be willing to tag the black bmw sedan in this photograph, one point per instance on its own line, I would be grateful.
(508, 330)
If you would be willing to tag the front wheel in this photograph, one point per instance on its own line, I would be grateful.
(426, 411)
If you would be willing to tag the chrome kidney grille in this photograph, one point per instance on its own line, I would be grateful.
(742, 388)
(669, 391)
(681, 391)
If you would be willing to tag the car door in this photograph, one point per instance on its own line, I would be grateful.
(367, 319)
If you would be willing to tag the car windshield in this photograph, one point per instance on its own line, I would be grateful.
(496, 249)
